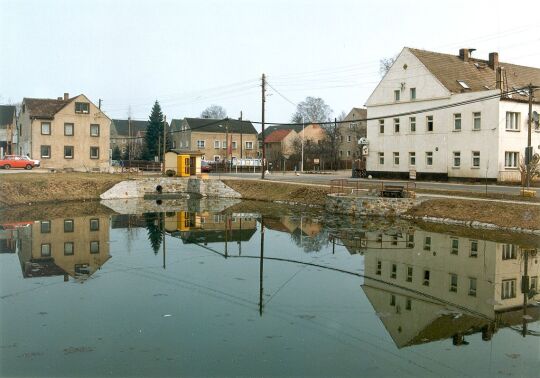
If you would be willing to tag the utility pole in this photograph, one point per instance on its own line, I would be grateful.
(262, 122)
(99, 104)
(528, 151)
(261, 267)
(241, 135)
(227, 144)
(129, 140)
(164, 140)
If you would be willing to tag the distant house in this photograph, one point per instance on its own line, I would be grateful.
(8, 133)
(349, 133)
(218, 140)
(279, 144)
(451, 116)
(66, 133)
(126, 133)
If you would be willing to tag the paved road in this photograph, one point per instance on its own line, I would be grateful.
(325, 180)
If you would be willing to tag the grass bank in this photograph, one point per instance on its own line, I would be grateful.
(31, 188)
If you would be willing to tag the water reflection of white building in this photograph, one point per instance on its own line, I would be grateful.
(428, 286)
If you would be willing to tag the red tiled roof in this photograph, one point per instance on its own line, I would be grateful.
(276, 136)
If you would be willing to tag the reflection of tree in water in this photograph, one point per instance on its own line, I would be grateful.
(310, 243)
(154, 227)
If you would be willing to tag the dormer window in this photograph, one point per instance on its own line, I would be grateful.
(82, 107)
(463, 84)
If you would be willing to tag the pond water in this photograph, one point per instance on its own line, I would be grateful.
(234, 291)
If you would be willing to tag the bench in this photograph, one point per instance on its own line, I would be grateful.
(395, 191)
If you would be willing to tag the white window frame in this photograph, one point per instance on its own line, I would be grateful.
(396, 125)
(249, 145)
(412, 124)
(511, 159)
(412, 93)
(201, 144)
(508, 289)
(94, 148)
(412, 159)
(397, 95)
(453, 282)
(430, 119)
(224, 144)
(457, 122)
(475, 155)
(513, 121)
(429, 156)
(395, 159)
(49, 131)
(93, 127)
(67, 125)
(234, 144)
(477, 116)
(456, 157)
(381, 126)
(381, 158)
(216, 144)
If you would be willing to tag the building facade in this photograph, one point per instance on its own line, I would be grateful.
(450, 116)
(66, 133)
(8, 130)
(353, 128)
(217, 140)
(128, 134)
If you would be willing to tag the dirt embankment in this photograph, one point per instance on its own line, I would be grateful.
(273, 191)
(31, 188)
(501, 214)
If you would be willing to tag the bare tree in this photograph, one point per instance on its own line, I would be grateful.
(385, 64)
(312, 110)
(214, 112)
(534, 166)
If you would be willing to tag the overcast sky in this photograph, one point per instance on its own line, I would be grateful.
(191, 54)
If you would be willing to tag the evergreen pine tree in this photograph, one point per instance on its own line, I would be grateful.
(154, 131)
(153, 226)
(116, 153)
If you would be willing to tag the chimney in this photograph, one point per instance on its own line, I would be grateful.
(465, 54)
(494, 60)
(59, 98)
(66, 96)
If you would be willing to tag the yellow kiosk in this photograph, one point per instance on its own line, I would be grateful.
(183, 163)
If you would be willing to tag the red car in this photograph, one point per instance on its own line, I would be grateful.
(205, 166)
(13, 161)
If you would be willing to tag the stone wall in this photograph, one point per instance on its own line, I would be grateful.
(368, 205)
(181, 186)
(140, 206)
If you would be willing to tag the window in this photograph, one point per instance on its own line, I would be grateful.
(68, 129)
(412, 158)
(397, 95)
(94, 152)
(457, 159)
(429, 123)
(454, 248)
(427, 243)
(463, 84)
(69, 225)
(429, 158)
(381, 126)
(413, 93)
(393, 274)
(474, 248)
(82, 107)
(234, 145)
(45, 152)
(426, 278)
(509, 252)
(472, 287)
(379, 268)
(45, 227)
(396, 125)
(249, 145)
(68, 152)
(45, 128)
(224, 144)
(381, 158)
(477, 120)
(457, 122)
(94, 224)
(216, 144)
(512, 121)
(408, 304)
(409, 273)
(200, 144)
(392, 300)
(68, 248)
(217, 158)
(45, 250)
(340, 153)
(348, 138)
(94, 130)
(353, 126)
(94, 247)
(410, 241)
(511, 159)
(348, 153)
(396, 158)
(412, 124)
(476, 159)
(508, 289)
(453, 282)
(534, 283)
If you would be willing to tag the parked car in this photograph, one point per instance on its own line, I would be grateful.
(205, 166)
(15, 161)
(37, 163)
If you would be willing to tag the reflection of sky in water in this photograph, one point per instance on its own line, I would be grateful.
(200, 315)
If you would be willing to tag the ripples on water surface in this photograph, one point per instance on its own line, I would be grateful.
(227, 291)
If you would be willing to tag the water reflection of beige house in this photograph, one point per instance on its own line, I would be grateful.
(206, 227)
(75, 247)
(427, 286)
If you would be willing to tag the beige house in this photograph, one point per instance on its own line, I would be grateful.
(126, 134)
(212, 136)
(66, 133)
(279, 144)
(349, 133)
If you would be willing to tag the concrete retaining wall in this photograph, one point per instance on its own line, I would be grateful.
(378, 206)
(183, 187)
(141, 206)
